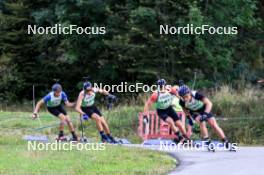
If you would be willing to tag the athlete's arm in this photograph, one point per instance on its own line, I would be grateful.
(66, 101)
(35, 112)
(69, 104)
(79, 102)
(150, 101)
(261, 81)
(147, 105)
(102, 91)
(39, 104)
(187, 113)
(174, 91)
(208, 105)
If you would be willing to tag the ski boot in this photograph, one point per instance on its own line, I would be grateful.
(210, 146)
(112, 140)
(178, 139)
(105, 139)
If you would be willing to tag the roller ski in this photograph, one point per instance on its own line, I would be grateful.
(74, 139)
(178, 139)
(210, 146)
(61, 139)
(230, 147)
(113, 140)
(105, 139)
(187, 141)
(83, 140)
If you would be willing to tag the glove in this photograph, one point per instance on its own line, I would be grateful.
(145, 119)
(190, 121)
(205, 116)
(85, 117)
(34, 116)
(110, 96)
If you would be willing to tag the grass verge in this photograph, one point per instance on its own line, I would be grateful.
(17, 159)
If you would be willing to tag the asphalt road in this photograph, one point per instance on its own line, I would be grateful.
(246, 161)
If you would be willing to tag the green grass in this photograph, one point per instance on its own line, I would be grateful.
(232, 103)
(16, 159)
(123, 122)
(244, 113)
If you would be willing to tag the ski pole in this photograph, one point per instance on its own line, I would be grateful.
(34, 105)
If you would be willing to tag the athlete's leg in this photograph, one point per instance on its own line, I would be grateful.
(62, 121)
(63, 115)
(65, 119)
(181, 127)
(105, 125)
(107, 130)
(189, 131)
(177, 121)
(170, 121)
(183, 118)
(103, 122)
(100, 127)
(57, 111)
(71, 128)
(203, 128)
(98, 122)
(189, 126)
(61, 128)
(212, 122)
(173, 125)
(69, 123)
(177, 129)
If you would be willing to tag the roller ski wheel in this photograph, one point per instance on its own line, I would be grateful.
(230, 147)
(61, 139)
(211, 147)
(74, 139)
(112, 140)
(83, 140)
(120, 142)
